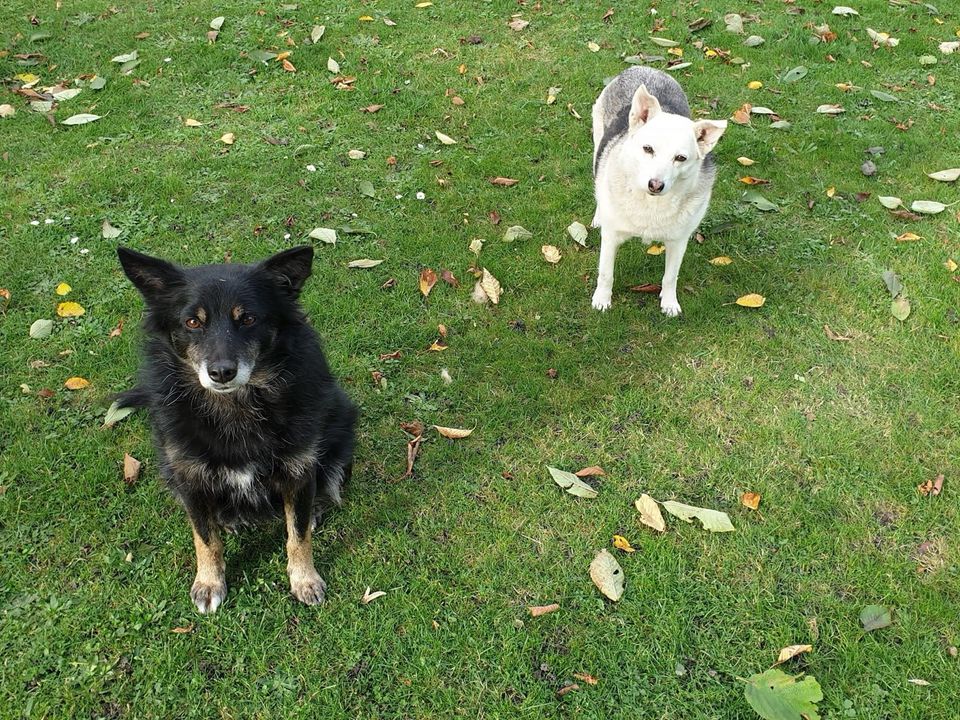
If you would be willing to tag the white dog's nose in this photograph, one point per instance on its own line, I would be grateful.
(655, 186)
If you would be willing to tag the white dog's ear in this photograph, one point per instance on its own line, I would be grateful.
(707, 133)
(643, 107)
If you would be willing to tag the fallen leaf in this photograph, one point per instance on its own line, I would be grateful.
(882, 39)
(649, 288)
(355, 154)
(607, 575)
(593, 47)
(750, 180)
(794, 74)
(228, 138)
(834, 335)
(918, 681)
(326, 235)
(125, 58)
(844, 10)
(774, 695)
(663, 42)
(720, 261)
(7, 111)
(551, 254)
(452, 433)
(333, 66)
(945, 175)
(566, 689)
(413, 448)
(428, 278)
(830, 109)
(503, 181)
(369, 597)
(759, 201)
(80, 119)
(753, 300)
(62, 289)
(950, 264)
(937, 485)
(217, 23)
(76, 383)
(190, 122)
(518, 24)
(445, 139)
(750, 500)
(578, 232)
(712, 520)
(41, 329)
(476, 245)
(890, 279)
(538, 610)
(182, 630)
(927, 207)
(908, 237)
(791, 651)
(66, 94)
(656, 250)
(552, 93)
(621, 543)
(650, 514)
(363, 263)
(115, 414)
(875, 617)
(491, 286)
(589, 679)
(741, 116)
(592, 471)
(449, 278)
(70, 309)
(316, 33)
(372, 109)
(131, 469)
(571, 483)
(745, 161)
(889, 201)
(288, 66)
(516, 232)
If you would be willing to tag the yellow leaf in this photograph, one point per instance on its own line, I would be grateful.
(753, 300)
(76, 383)
(63, 289)
(423, 5)
(745, 161)
(452, 433)
(655, 250)
(551, 254)
(831, 191)
(721, 260)
(190, 122)
(676, 51)
(750, 500)
(792, 651)
(621, 543)
(650, 514)
(710, 54)
(282, 56)
(365, 18)
(908, 237)
(750, 180)
(950, 265)
(428, 278)
(754, 84)
(70, 309)
(28, 79)
(228, 138)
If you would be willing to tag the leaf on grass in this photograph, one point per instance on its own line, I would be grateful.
(578, 232)
(516, 232)
(538, 610)
(115, 414)
(428, 278)
(355, 154)
(621, 543)
(752, 300)
(131, 469)
(80, 119)
(791, 651)
(874, 617)
(551, 253)
(712, 520)
(945, 175)
(333, 66)
(754, 41)
(663, 42)
(927, 207)
(774, 695)
(588, 679)
(889, 201)
(950, 264)
(76, 383)
(41, 329)
(918, 681)
(592, 471)
(750, 500)
(650, 514)
(571, 483)
(720, 261)
(62, 289)
(833, 335)
(445, 139)
(67, 94)
(882, 39)
(476, 245)
(745, 161)
(261, 55)
(217, 23)
(6, 111)
(892, 282)
(648, 288)
(125, 58)
(363, 263)
(518, 24)
(844, 10)
(366, 189)
(880, 95)
(656, 250)
(369, 597)
(593, 47)
(830, 109)
(900, 308)
(750, 180)
(108, 231)
(316, 33)
(503, 181)
(228, 138)
(741, 116)
(794, 74)
(908, 237)
(490, 286)
(607, 575)
(184, 630)
(190, 122)
(759, 201)
(70, 309)
(326, 235)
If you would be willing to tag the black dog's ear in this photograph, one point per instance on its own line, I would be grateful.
(290, 268)
(152, 276)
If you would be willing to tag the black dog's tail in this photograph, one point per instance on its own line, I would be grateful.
(135, 397)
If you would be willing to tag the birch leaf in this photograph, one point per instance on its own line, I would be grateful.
(927, 207)
(607, 575)
(712, 520)
(889, 201)
(650, 514)
(363, 263)
(80, 119)
(571, 483)
(326, 235)
(578, 232)
(945, 175)
(41, 329)
(452, 433)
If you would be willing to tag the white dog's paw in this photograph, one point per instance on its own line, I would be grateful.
(208, 595)
(670, 307)
(601, 300)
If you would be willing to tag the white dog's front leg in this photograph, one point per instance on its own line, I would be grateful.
(675, 250)
(610, 242)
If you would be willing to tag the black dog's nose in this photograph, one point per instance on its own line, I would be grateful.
(223, 371)
(655, 186)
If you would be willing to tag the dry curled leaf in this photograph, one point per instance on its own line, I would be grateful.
(551, 254)
(503, 181)
(833, 335)
(650, 514)
(369, 597)
(750, 500)
(538, 610)
(490, 286)
(592, 471)
(228, 138)
(428, 278)
(791, 651)
(647, 288)
(76, 383)
(587, 678)
(720, 261)
(621, 543)
(452, 433)
(131, 469)
(363, 263)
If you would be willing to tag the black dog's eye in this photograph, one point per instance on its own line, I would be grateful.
(193, 323)
(247, 320)
(647, 149)
(680, 158)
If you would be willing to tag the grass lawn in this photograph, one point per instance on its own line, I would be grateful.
(834, 434)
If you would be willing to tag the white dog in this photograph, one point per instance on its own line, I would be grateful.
(653, 173)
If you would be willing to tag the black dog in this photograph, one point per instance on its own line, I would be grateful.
(247, 419)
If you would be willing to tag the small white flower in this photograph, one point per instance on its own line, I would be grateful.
(421, 196)
(34, 222)
(286, 236)
(48, 221)
(311, 168)
(84, 251)
(398, 196)
(168, 59)
(66, 217)
(74, 240)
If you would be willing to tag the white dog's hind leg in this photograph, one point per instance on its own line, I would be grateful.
(668, 294)
(610, 242)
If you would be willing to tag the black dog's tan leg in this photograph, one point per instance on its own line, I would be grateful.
(210, 587)
(306, 585)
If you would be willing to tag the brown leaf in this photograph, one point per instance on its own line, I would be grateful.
(742, 115)
(494, 217)
(131, 469)
(503, 181)
(567, 688)
(449, 278)
(648, 288)
(905, 214)
(182, 630)
(428, 278)
(371, 109)
(750, 180)
(750, 500)
(414, 427)
(607, 15)
(392, 282)
(45, 393)
(76, 383)
(117, 330)
(453, 433)
(834, 335)
(592, 471)
(588, 679)
(937, 485)
(538, 610)
(395, 355)
(438, 346)
(413, 447)
(791, 651)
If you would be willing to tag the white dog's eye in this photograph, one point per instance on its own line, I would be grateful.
(647, 149)
(680, 158)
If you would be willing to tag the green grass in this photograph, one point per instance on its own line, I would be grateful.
(834, 435)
